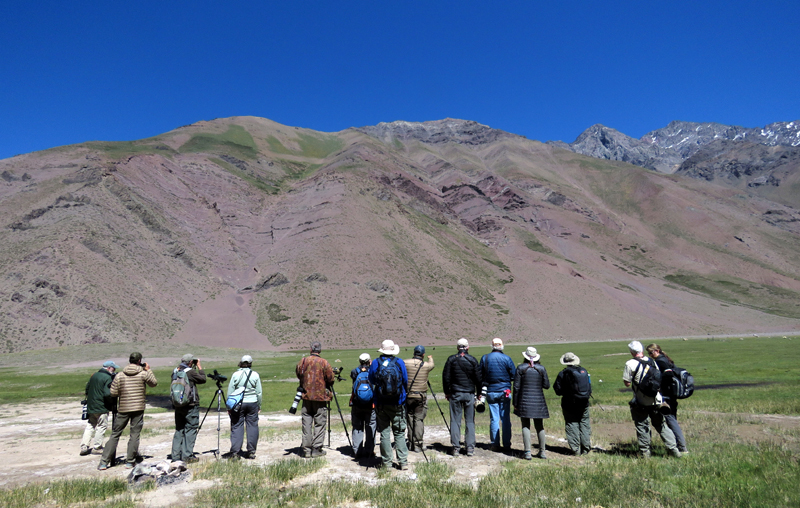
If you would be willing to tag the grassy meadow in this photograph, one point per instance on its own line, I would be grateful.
(736, 459)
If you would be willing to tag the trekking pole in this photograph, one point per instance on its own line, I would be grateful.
(346, 432)
(440, 408)
(597, 403)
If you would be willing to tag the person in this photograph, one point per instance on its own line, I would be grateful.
(497, 372)
(187, 418)
(99, 403)
(665, 365)
(644, 409)
(417, 398)
(389, 377)
(461, 380)
(248, 412)
(362, 412)
(130, 386)
(574, 387)
(316, 378)
(530, 381)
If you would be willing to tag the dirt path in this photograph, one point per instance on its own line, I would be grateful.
(42, 442)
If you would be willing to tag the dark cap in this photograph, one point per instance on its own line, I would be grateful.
(316, 347)
(135, 358)
(419, 351)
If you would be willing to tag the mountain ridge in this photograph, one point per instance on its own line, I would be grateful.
(251, 234)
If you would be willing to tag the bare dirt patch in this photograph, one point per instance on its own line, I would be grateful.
(42, 441)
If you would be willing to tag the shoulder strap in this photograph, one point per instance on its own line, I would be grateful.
(416, 373)
(246, 380)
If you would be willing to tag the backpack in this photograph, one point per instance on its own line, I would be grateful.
(362, 389)
(682, 385)
(581, 384)
(389, 381)
(650, 382)
(180, 390)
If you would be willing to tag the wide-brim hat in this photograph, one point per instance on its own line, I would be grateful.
(388, 347)
(531, 355)
(570, 359)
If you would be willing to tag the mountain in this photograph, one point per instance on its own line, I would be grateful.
(245, 233)
(747, 158)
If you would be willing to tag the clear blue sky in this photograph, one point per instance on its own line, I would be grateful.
(79, 71)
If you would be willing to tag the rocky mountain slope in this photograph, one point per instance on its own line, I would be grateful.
(738, 156)
(245, 233)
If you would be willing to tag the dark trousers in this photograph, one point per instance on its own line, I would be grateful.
(247, 416)
(462, 403)
(187, 423)
(136, 419)
(416, 411)
(364, 425)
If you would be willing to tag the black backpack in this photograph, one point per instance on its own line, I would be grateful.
(389, 381)
(650, 382)
(581, 383)
(682, 385)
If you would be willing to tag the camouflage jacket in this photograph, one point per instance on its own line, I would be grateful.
(315, 375)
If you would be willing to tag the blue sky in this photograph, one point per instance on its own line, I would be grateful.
(80, 71)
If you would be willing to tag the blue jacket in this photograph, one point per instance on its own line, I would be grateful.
(373, 378)
(497, 371)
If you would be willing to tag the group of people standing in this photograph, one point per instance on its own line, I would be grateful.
(389, 398)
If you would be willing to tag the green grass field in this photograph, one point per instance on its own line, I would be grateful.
(735, 377)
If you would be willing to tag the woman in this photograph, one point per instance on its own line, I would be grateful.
(248, 414)
(528, 399)
(665, 364)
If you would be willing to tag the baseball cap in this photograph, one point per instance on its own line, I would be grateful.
(111, 364)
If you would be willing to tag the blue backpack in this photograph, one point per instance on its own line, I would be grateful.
(389, 385)
(362, 389)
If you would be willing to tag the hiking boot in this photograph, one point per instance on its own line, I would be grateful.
(454, 451)
(249, 455)
(318, 452)
(470, 453)
(98, 450)
(527, 456)
(130, 465)
(403, 466)
(85, 450)
(675, 453)
(191, 460)
(103, 466)
(230, 456)
(542, 455)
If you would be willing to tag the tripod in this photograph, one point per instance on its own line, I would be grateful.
(218, 395)
(346, 433)
(440, 408)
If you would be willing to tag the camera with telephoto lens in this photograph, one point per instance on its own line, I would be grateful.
(297, 397)
(338, 373)
(480, 402)
(85, 413)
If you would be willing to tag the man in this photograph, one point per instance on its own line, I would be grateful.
(389, 377)
(316, 378)
(417, 398)
(575, 388)
(187, 418)
(99, 403)
(461, 380)
(497, 371)
(644, 408)
(130, 386)
(362, 413)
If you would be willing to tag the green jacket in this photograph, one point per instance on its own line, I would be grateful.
(98, 393)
